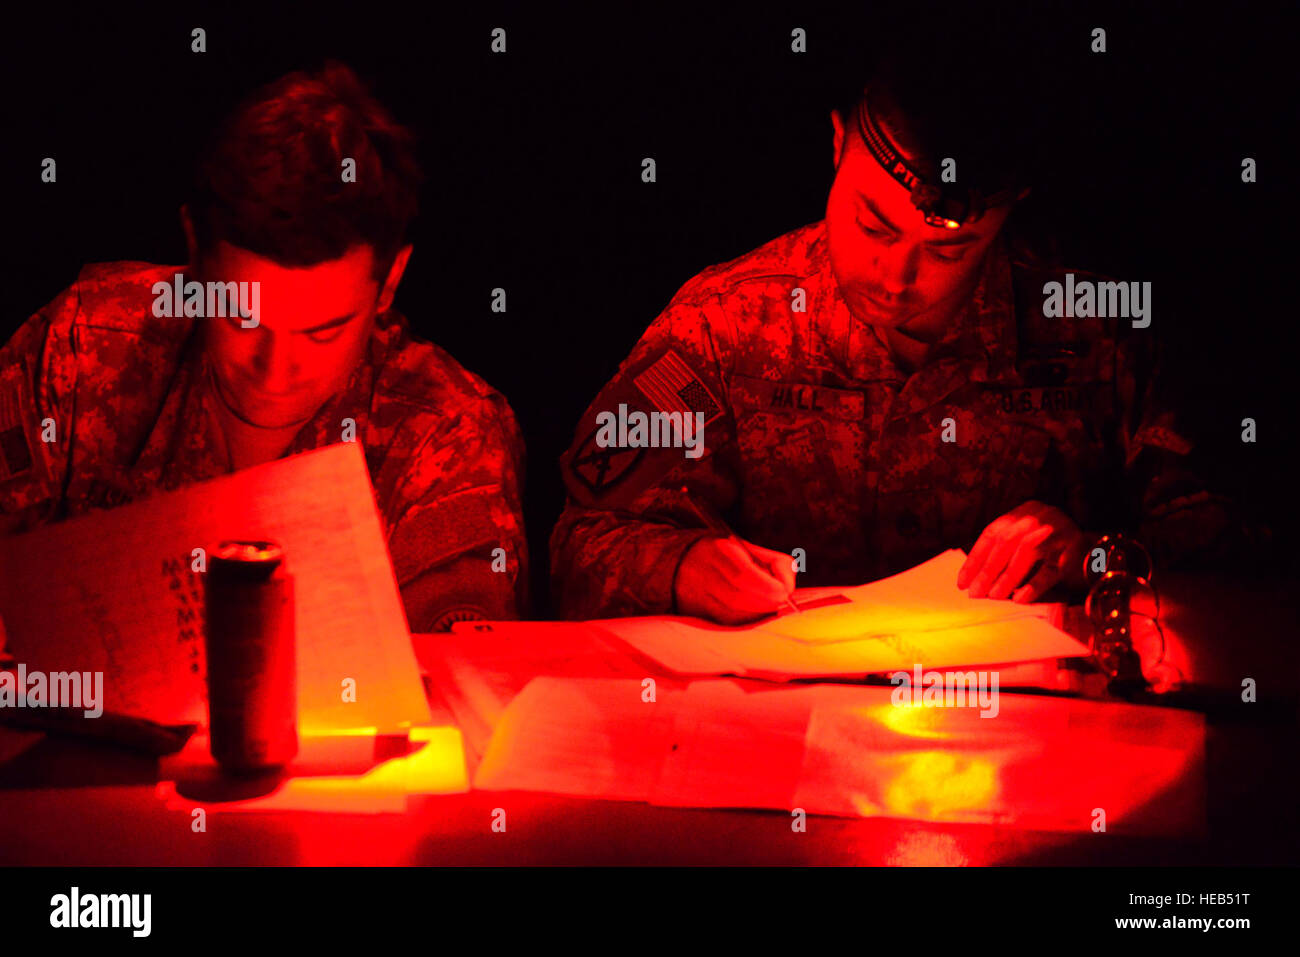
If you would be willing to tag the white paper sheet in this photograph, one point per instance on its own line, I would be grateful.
(114, 591)
(353, 782)
(916, 617)
(1039, 762)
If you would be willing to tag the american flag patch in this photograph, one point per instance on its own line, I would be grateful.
(672, 387)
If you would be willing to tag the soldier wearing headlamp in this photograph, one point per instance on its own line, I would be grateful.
(878, 386)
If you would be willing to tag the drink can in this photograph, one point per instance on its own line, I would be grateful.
(252, 673)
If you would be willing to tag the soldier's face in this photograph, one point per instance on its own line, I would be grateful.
(313, 325)
(893, 270)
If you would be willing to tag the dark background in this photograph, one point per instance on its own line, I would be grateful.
(533, 164)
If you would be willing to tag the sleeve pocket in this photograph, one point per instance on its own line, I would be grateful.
(431, 533)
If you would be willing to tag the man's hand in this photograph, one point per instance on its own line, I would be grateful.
(730, 581)
(1033, 535)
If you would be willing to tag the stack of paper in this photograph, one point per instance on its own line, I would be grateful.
(1038, 762)
(919, 617)
(479, 667)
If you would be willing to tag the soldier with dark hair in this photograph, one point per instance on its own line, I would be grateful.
(879, 386)
(307, 190)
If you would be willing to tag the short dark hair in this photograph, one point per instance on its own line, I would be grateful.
(270, 181)
(968, 89)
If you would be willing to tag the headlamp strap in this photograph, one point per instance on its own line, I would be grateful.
(929, 197)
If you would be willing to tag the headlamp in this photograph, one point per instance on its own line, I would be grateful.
(942, 207)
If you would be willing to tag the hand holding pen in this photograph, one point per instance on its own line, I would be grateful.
(729, 580)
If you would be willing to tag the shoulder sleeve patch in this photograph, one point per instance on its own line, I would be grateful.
(671, 386)
(599, 468)
(616, 473)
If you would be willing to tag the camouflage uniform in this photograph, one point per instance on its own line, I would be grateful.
(134, 410)
(815, 439)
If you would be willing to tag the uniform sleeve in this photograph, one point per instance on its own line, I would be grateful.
(458, 545)
(38, 368)
(1172, 508)
(633, 512)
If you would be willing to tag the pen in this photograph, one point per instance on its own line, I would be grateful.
(721, 528)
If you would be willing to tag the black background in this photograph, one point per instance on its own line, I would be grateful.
(533, 165)
(232, 907)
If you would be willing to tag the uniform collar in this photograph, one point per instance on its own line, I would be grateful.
(993, 311)
(835, 338)
(188, 444)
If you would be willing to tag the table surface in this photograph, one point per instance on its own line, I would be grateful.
(65, 801)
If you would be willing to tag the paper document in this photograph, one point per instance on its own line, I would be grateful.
(328, 775)
(851, 751)
(479, 667)
(917, 617)
(115, 591)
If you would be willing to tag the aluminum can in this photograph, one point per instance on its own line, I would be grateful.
(252, 672)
